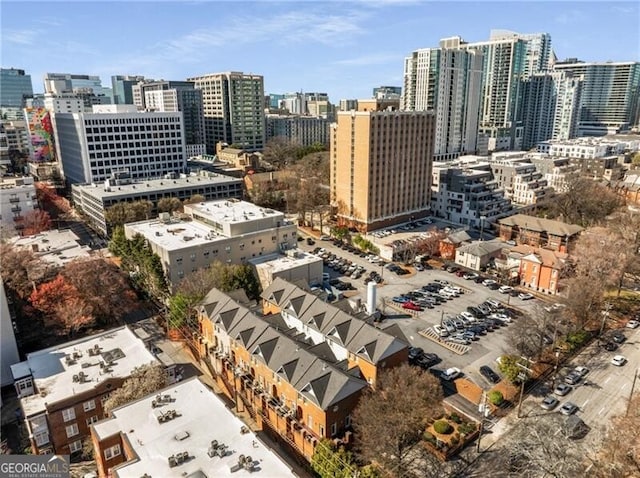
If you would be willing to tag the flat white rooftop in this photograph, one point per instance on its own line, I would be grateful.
(278, 262)
(55, 247)
(201, 418)
(53, 375)
(231, 211)
(176, 234)
(154, 185)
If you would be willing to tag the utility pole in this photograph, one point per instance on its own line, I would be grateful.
(633, 386)
(522, 376)
(484, 413)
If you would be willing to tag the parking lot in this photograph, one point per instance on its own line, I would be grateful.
(482, 352)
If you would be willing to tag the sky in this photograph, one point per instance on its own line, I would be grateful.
(343, 48)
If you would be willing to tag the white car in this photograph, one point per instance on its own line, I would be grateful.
(468, 315)
(525, 296)
(632, 324)
(488, 282)
(618, 360)
(451, 373)
(441, 331)
(505, 289)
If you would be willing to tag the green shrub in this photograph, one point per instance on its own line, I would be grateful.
(429, 437)
(496, 397)
(443, 427)
(455, 418)
(467, 428)
(455, 439)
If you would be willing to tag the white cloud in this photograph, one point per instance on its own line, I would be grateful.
(22, 37)
(374, 59)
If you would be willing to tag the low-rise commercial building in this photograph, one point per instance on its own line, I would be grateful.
(229, 231)
(170, 434)
(62, 389)
(56, 247)
(95, 199)
(293, 266)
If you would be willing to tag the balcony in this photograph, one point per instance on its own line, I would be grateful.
(16, 209)
(14, 199)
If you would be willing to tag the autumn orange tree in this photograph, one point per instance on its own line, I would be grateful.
(35, 222)
(62, 305)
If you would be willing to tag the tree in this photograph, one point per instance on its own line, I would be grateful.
(35, 222)
(280, 152)
(20, 269)
(407, 398)
(50, 294)
(124, 212)
(509, 366)
(169, 205)
(619, 456)
(144, 380)
(586, 202)
(195, 199)
(328, 461)
(102, 286)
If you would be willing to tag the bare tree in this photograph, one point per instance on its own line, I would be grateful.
(144, 380)
(390, 420)
(169, 205)
(619, 456)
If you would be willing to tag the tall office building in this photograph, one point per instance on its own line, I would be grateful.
(58, 83)
(387, 92)
(448, 80)
(550, 107)
(610, 100)
(118, 138)
(121, 86)
(380, 165)
(176, 96)
(233, 109)
(15, 88)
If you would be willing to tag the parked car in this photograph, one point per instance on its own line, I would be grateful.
(568, 408)
(426, 360)
(572, 378)
(440, 331)
(562, 389)
(310, 241)
(582, 371)
(549, 403)
(415, 353)
(505, 289)
(325, 276)
(525, 296)
(400, 299)
(488, 373)
(451, 373)
(470, 276)
(418, 266)
(610, 346)
(618, 337)
(488, 282)
(632, 324)
(618, 360)
(411, 306)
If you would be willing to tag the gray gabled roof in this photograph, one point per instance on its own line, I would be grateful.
(482, 248)
(349, 331)
(316, 378)
(539, 224)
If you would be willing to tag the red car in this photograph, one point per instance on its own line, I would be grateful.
(412, 306)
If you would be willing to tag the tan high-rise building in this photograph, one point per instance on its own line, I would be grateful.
(381, 167)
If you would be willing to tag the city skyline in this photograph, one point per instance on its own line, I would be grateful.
(344, 49)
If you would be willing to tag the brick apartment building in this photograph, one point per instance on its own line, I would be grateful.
(301, 368)
(539, 232)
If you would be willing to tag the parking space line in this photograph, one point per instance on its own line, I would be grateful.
(623, 387)
(585, 403)
(602, 410)
(608, 378)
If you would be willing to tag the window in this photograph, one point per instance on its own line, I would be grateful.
(75, 446)
(310, 421)
(321, 431)
(41, 438)
(68, 414)
(347, 421)
(72, 430)
(90, 405)
(92, 419)
(334, 429)
(112, 452)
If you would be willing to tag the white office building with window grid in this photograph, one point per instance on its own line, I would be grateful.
(117, 138)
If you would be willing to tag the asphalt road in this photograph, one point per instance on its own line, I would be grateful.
(603, 393)
(482, 352)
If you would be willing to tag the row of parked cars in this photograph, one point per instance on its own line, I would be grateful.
(428, 296)
(339, 264)
(476, 321)
(406, 227)
(422, 359)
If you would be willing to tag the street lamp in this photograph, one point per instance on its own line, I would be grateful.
(555, 370)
